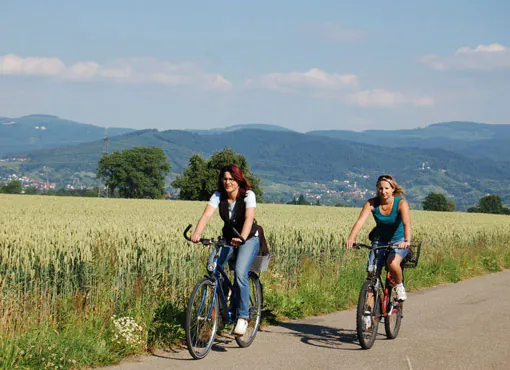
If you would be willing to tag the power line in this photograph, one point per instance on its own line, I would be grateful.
(103, 188)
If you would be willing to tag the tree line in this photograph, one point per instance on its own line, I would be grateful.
(488, 204)
(140, 172)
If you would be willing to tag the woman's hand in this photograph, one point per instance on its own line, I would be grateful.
(404, 245)
(195, 238)
(349, 244)
(236, 242)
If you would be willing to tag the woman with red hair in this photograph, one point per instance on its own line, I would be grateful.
(237, 203)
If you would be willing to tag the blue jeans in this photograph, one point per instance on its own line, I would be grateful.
(246, 253)
(384, 255)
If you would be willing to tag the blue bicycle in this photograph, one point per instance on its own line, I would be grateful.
(211, 304)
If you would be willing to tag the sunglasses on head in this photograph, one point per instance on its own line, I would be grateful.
(385, 177)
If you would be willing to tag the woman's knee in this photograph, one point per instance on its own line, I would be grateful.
(394, 264)
(241, 277)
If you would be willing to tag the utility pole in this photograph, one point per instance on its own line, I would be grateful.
(103, 189)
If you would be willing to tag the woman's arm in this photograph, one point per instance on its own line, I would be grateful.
(202, 222)
(405, 213)
(365, 212)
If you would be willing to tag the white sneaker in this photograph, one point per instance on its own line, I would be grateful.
(401, 293)
(241, 326)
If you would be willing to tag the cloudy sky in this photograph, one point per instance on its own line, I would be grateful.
(304, 65)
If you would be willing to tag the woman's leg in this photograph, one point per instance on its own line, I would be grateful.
(245, 256)
(393, 263)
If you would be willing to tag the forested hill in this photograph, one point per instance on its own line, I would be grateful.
(288, 158)
(467, 138)
(40, 131)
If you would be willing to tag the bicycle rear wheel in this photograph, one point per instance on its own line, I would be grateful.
(255, 312)
(367, 315)
(394, 313)
(201, 319)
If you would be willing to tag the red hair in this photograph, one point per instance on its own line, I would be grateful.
(238, 176)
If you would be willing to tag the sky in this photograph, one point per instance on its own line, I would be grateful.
(303, 65)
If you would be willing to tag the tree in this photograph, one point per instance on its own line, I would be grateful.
(438, 202)
(31, 190)
(302, 201)
(490, 204)
(199, 179)
(12, 187)
(136, 173)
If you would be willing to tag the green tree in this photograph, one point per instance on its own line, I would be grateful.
(438, 202)
(12, 187)
(135, 173)
(199, 179)
(31, 190)
(490, 204)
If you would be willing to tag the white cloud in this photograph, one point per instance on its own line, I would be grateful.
(319, 84)
(11, 64)
(134, 70)
(336, 32)
(386, 99)
(483, 57)
(314, 79)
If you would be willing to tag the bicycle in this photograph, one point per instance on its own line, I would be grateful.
(212, 299)
(375, 302)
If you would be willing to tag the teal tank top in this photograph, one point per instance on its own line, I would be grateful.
(389, 227)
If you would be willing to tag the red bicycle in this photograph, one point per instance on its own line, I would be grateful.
(377, 300)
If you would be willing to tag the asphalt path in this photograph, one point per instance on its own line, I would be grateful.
(453, 326)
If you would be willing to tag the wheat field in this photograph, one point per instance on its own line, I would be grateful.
(65, 260)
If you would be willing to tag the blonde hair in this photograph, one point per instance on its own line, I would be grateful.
(397, 189)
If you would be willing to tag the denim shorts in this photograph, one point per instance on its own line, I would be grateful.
(383, 255)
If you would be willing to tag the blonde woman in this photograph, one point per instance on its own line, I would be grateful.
(393, 226)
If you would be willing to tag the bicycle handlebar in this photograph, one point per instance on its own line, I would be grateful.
(204, 241)
(389, 246)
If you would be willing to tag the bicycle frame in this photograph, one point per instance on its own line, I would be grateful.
(377, 281)
(215, 275)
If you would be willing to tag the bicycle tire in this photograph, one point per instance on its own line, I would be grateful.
(368, 301)
(255, 312)
(201, 319)
(393, 318)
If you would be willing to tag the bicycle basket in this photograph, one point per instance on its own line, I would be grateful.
(261, 263)
(412, 258)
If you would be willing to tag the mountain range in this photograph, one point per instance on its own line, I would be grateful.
(464, 160)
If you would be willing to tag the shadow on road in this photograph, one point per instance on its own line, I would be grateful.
(221, 344)
(323, 336)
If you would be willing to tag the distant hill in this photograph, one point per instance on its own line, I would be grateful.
(471, 139)
(252, 126)
(38, 131)
(289, 158)
(464, 160)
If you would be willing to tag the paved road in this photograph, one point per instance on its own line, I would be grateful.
(455, 326)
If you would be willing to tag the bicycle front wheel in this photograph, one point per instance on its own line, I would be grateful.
(201, 319)
(255, 312)
(367, 315)
(394, 313)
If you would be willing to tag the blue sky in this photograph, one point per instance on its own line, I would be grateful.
(299, 64)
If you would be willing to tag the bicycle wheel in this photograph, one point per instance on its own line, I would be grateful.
(394, 313)
(201, 319)
(255, 312)
(368, 315)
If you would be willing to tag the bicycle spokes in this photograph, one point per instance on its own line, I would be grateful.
(201, 319)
